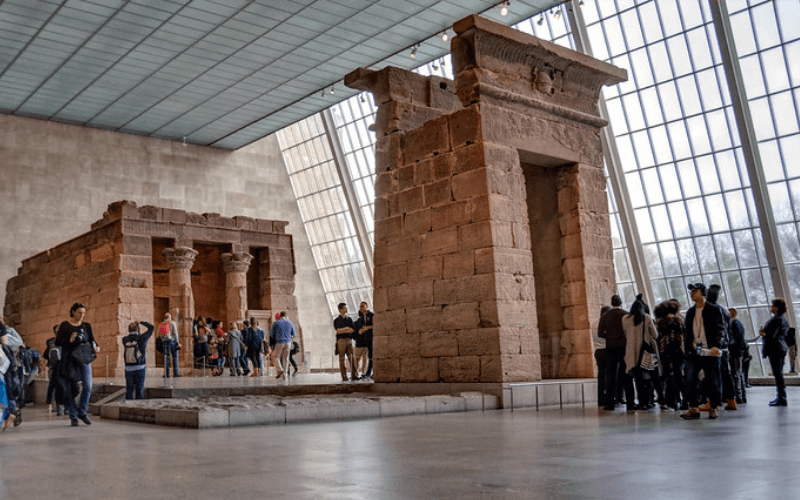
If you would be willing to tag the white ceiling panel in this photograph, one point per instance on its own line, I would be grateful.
(222, 73)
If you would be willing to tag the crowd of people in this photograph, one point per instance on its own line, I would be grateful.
(243, 348)
(692, 362)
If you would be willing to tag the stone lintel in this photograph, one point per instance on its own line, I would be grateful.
(494, 61)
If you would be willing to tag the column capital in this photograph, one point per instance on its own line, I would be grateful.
(180, 257)
(236, 262)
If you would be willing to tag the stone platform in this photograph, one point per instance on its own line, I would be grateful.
(225, 401)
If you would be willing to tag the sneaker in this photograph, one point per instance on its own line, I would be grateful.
(74, 422)
(692, 414)
(666, 408)
(177, 375)
(85, 419)
(713, 413)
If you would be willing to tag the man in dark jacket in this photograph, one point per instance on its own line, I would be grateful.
(255, 347)
(737, 347)
(705, 334)
(610, 328)
(728, 388)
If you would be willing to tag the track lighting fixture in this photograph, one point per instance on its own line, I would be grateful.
(557, 14)
(413, 54)
(580, 4)
(442, 62)
(322, 94)
(333, 91)
(363, 99)
(445, 37)
(435, 66)
(184, 141)
(540, 22)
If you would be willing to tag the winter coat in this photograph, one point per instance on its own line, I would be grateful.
(635, 335)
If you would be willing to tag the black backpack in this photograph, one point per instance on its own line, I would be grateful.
(791, 337)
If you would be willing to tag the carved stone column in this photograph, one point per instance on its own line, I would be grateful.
(181, 300)
(236, 266)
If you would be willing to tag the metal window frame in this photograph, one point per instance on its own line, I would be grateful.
(349, 192)
(752, 155)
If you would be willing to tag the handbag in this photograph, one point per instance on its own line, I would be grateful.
(647, 358)
(84, 353)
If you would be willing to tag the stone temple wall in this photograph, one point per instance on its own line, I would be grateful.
(492, 240)
(111, 270)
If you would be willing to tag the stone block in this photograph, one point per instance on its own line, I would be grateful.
(468, 158)
(391, 274)
(405, 345)
(209, 418)
(444, 404)
(510, 368)
(470, 184)
(512, 314)
(428, 140)
(177, 418)
(440, 242)
(515, 287)
(379, 299)
(573, 294)
(505, 209)
(460, 369)
(521, 235)
(460, 316)
(437, 193)
(389, 228)
(458, 264)
(396, 407)
(423, 172)
(271, 415)
(465, 126)
(173, 215)
(404, 177)
(418, 294)
(485, 234)
(318, 411)
(390, 322)
(437, 344)
(417, 369)
(386, 370)
(388, 152)
(136, 245)
(425, 269)
(503, 261)
(135, 263)
(102, 253)
(424, 319)
(476, 288)
(386, 183)
(478, 342)
(417, 223)
(394, 251)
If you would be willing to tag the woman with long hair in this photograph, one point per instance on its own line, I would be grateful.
(671, 332)
(774, 332)
(76, 340)
(642, 338)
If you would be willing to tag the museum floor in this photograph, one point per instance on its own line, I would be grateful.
(553, 454)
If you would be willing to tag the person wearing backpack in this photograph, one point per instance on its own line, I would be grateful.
(134, 349)
(168, 334)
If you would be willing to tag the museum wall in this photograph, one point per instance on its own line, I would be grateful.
(57, 179)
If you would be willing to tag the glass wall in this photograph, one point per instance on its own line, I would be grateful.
(767, 37)
(328, 223)
(677, 138)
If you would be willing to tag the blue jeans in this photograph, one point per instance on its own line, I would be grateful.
(79, 409)
(134, 384)
(710, 365)
(171, 351)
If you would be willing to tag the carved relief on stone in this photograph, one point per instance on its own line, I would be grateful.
(180, 257)
(236, 262)
(548, 80)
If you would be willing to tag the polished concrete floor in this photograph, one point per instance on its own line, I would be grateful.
(554, 454)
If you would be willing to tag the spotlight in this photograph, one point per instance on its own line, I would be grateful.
(557, 14)
(363, 99)
(540, 22)
(414, 52)
(445, 37)
(435, 66)
(184, 141)
(322, 94)
(504, 8)
(442, 62)
(580, 4)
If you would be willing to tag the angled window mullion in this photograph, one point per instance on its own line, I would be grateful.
(752, 155)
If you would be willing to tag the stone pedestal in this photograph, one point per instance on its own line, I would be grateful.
(492, 240)
(181, 300)
(235, 266)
